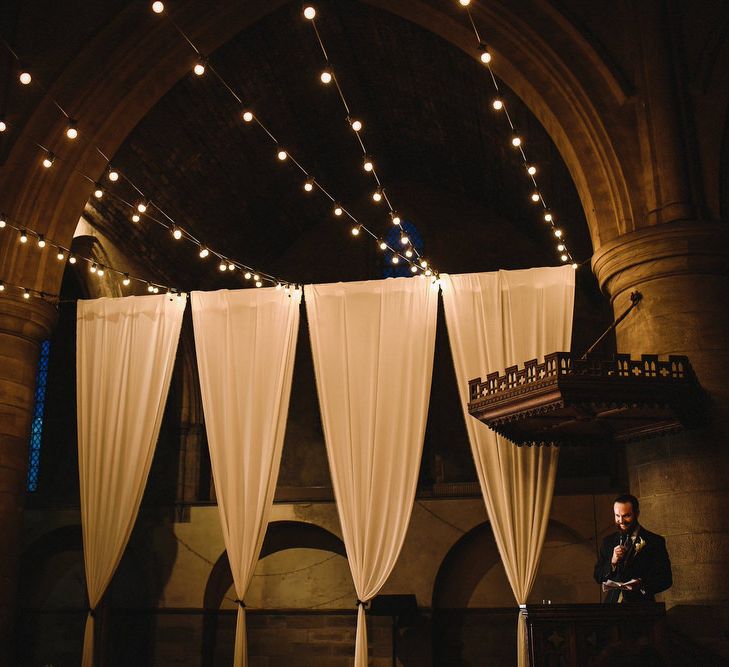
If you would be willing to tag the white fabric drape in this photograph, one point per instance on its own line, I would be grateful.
(496, 320)
(245, 342)
(125, 353)
(372, 344)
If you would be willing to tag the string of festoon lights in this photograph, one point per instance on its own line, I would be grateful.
(311, 183)
(29, 236)
(530, 169)
(380, 194)
(141, 208)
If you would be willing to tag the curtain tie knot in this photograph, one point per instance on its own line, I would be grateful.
(362, 603)
(92, 612)
(240, 603)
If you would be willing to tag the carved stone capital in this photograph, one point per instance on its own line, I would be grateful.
(30, 319)
(666, 250)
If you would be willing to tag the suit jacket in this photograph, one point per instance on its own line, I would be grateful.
(650, 564)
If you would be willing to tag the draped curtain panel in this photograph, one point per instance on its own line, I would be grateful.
(372, 345)
(496, 320)
(245, 342)
(125, 353)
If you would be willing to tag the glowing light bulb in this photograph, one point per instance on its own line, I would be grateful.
(3, 126)
(2, 221)
(48, 160)
(560, 247)
(72, 130)
(155, 289)
(428, 272)
(23, 236)
(135, 217)
(309, 13)
(395, 259)
(413, 269)
(247, 116)
(516, 142)
(356, 125)
(113, 174)
(72, 260)
(395, 218)
(158, 7)
(142, 206)
(26, 294)
(231, 267)
(404, 240)
(377, 195)
(309, 184)
(574, 265)
(408, 253)
(548, 217)
(535, 197)
(92, 268)
(423, 264)
(282, 154)
(558, 233)
(256, 276)
(98, 192)
(485, 56)
(498, 104)
(99, 272)
(465, 3)
(176, 233)
(41, 241)
(223, 266)
(355, 231)
(150, 288)
(531, 170)
(368, 164)
(25, 77)
(61, 256)
(2, 286)
(259, 283)
(199, 68)
(383, 245)
(326, 76)
(564, 258)
(247, 275)
(338, 210)
(204, 252)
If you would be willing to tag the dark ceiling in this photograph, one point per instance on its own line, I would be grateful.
(441, 151)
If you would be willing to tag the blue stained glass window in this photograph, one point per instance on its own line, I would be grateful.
(392, 238)
(36, 429)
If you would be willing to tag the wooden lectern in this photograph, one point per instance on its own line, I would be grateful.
(573, 635)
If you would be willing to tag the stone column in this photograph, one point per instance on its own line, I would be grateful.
(682, 270)
(23, 325)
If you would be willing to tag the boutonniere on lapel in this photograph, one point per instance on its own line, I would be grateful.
(639, 544)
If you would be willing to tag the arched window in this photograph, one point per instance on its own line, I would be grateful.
(392, 238)
(36, 429)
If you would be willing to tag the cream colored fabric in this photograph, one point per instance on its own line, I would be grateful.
(125, 352)
(245, 342)
(496, 320)
(372, 344)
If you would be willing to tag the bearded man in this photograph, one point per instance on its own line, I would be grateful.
(633, 564)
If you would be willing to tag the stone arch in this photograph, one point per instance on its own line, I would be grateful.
(51, 580)
(572, 101)
(473, 555)
(40, 565)
(280, 535)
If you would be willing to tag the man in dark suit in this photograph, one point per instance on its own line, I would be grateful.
(633, 553)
